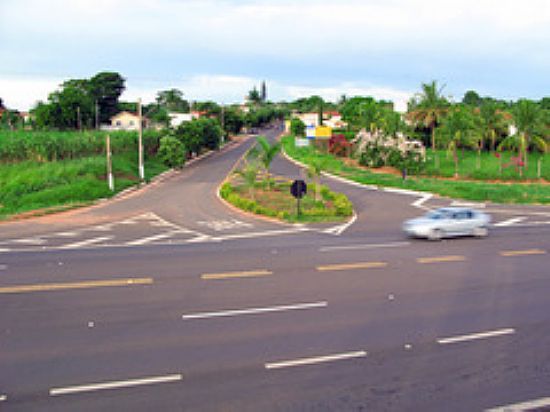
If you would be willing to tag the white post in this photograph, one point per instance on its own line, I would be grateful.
(110, 178)
(140, 143)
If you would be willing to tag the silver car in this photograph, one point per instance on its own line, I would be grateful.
(448, 222)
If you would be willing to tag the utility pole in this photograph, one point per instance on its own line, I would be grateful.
(110, 178)
(78, 119)
(96, 115)
(140, 143)
(223, 123)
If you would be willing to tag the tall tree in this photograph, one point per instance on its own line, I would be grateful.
(460, 131)
(254, 96)
(172, 100)
(428, 108)
(492, 123)
(527, 119)
(471, 98)
(105, 89)
(263, 92)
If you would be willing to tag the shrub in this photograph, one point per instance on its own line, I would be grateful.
(297, 127)
(171, 151)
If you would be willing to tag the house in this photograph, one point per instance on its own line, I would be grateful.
(177, 119)
(127, 121)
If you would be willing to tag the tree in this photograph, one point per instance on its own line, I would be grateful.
(263, 92)
(428, 108)
(471, 98)
(198, 134)
(266, 154)
(459, 129)
(172, 100)
(362, 112)
(527, 119)
(297, 127)
(254, 96)
(314, 171)
(171, 151)
(105, 88)
(492, 123)
(249, 173)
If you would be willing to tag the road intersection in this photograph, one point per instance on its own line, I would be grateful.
(169, 299)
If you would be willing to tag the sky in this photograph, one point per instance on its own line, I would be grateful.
(220, 49)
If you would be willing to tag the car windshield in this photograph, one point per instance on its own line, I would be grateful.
(436, 214)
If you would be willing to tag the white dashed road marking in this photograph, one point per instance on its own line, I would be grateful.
(365, 246)
(115, 384)
(87, 242)
(534, 405)
(510, 222)
(314, 360)
(251, 311)
(476, 336)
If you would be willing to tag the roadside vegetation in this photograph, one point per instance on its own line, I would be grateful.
(55, 157)
(481, 148)
(462, 189)
(252, 188)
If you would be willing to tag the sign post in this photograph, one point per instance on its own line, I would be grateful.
(298, 189)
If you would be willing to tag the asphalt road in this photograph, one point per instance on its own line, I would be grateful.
(168, 299)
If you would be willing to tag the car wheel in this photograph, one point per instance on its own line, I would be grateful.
(435, 234)
(480, 231)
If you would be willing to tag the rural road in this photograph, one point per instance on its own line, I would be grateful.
(167, 299)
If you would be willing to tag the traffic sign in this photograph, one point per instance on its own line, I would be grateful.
(298, 189)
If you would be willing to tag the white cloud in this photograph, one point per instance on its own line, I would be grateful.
(22, 93)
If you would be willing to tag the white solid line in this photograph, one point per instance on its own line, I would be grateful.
(510, 222)
(250, 311)
(338, 230)
(365, 246)
(260, 234)
(475, 336)
(31, 241)
(523, 406)
(420, 202)
(66, 234)
(86, 242)
(114, 384)
(402, 191)
(314, 360)
(153, 238)
(4, 250)
(3, 398)
(468, 204)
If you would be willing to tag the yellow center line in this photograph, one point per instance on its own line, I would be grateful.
(232, 275)
(350, 266)
(522, 252)
(451, 258)
(45, 287)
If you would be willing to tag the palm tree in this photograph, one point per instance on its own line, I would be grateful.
(314, 171)
(492, 122)
(459, 128)
(249, 173)
(429, 107)
(266, 153)
(527, 118)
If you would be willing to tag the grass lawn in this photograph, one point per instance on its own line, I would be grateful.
(277, 202)
(59, 185)
(463, 189)
(489, 166)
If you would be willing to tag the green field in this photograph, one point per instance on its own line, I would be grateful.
(49, 171)
(488, 166)
(461, 189)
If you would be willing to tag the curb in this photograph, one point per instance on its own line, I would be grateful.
(424, 195)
